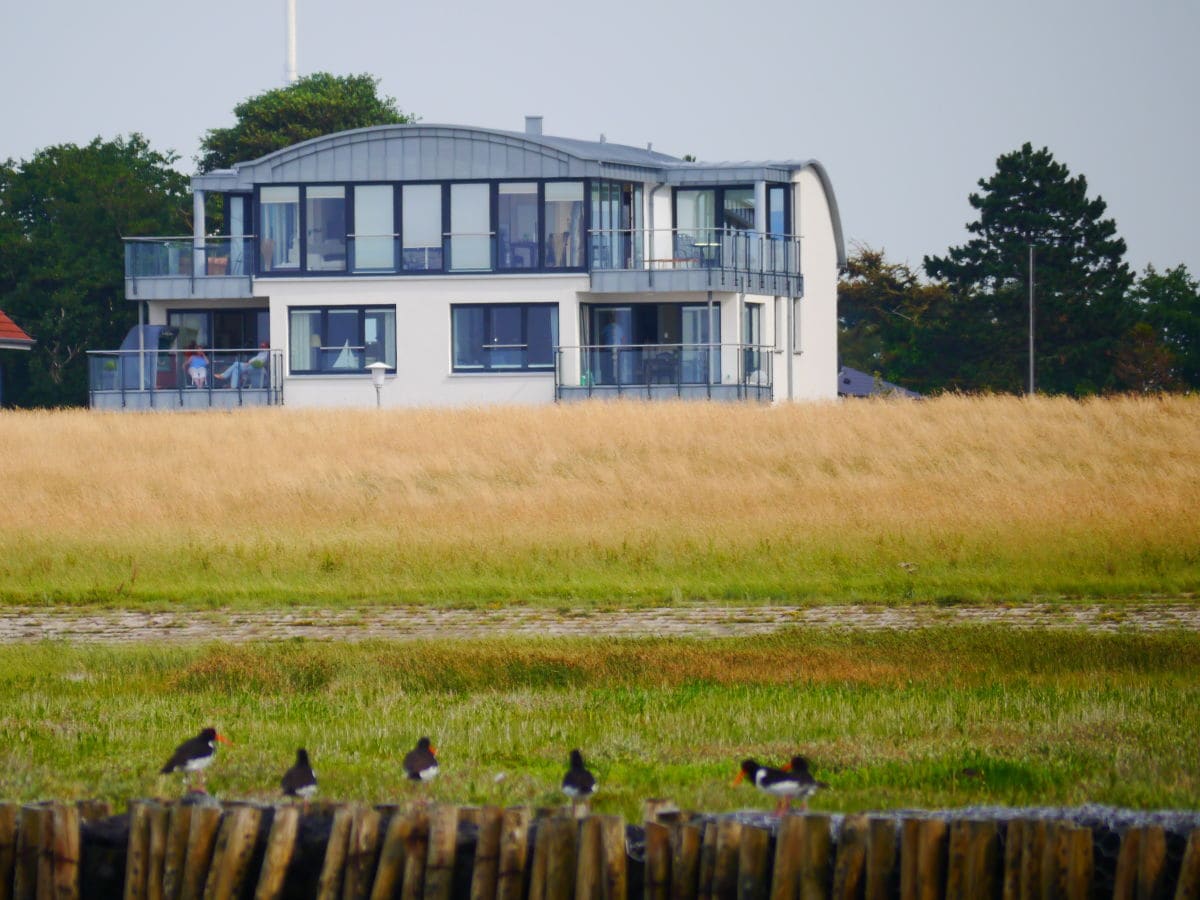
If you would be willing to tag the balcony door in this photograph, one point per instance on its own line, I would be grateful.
(700, 364)
(616, 225)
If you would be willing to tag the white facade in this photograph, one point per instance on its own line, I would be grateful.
(655, 278)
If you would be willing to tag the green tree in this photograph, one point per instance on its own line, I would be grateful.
(63, 214)
(1083, 310)
(315, 105)
(1170, 305)
(890, 322)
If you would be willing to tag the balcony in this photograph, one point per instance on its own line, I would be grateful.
(173, 268)
(618, 260)
(695, 259)
(166, 379)
(703, 371)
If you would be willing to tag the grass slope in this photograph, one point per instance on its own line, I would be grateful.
(955, 499)
(889, 719)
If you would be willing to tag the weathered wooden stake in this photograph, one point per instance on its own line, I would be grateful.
(389, 873)
(160, 817)
(589, 870)
(658, 861)
(28, 851)
(1152, 864)
(362, 852)
(1014, 835)
(882, 841)
(753, 878)
(1188, 885)
(708, 862)
(179, 826)
(439, 867)
(487, 853)
(789, 858)
(685, 862)
(65, 852)
(416, 852)
(815, 864)
(202, 836)
(848, 869)
(1033, 848)
(612, 848)
(137, 856)
(923, 859)
(329, 885)
(231, 859)
(281, 843)
(8, 847)
(514, 850)
(560, 862)
(725, 867)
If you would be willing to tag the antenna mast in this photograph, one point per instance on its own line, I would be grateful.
(289, 74)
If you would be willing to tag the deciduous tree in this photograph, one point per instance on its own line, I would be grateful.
(1170, 305)
(315, 105)
(63, 214)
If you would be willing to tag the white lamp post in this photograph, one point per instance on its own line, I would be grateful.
(377, 370)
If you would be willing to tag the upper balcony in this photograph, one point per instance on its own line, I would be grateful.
(618, 261)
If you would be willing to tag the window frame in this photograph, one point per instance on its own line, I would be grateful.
(489, 333)
(362, 310)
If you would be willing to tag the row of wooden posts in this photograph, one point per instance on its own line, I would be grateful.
(208, 851)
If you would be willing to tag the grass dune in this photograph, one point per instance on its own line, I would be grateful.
(958, 498)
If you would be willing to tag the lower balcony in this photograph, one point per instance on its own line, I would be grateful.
(726, 372)
(184, 379)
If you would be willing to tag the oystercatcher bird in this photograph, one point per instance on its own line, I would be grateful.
(776, 782)
(808, 785)
(579, 784)
(194, 755)
(300, 780)
(420, 763)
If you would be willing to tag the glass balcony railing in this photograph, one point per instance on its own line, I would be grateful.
(663, 249)
(660, 371)
(152, 378)
(179, 257)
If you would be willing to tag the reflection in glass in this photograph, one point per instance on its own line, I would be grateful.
(422, 220)
(517, 225)
(470, 228)
(695, 223)
(280, 213)
(374, 225)
(325, 210)
(563, 229)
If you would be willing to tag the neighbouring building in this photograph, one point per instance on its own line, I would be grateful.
(473, 266)
(12, 337)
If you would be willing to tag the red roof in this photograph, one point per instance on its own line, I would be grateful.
(10, 332)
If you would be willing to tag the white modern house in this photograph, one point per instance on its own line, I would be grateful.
(481, 266)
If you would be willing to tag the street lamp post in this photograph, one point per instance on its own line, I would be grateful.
(1031, 387)
(377, 370)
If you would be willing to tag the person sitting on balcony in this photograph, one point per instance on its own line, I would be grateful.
(196, 365)
(238, 373)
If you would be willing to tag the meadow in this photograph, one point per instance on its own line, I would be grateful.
(940, 717)
(953, 500)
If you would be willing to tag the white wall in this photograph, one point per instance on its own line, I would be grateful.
(423, 366)
(814, 367)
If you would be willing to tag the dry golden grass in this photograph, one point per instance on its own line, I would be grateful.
(552, 501)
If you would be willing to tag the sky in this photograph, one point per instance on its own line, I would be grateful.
(907, 104)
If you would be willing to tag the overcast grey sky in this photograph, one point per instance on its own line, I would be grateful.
(906, 104)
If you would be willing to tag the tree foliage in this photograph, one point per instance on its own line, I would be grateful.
(63, 214)
(315, 105)
(1083, 310)
(1170, 305)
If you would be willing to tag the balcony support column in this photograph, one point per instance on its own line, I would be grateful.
(198, 231)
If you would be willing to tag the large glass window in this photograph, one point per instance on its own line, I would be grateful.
(341, 339)
(374, 228)
(777, 223)
(517, 225)
(279, 234)
(470, 228)
(695, 224)
(616, 225)
(421, 216)
(503, 337)
(738, 209)
(325, 212)
(563, 225)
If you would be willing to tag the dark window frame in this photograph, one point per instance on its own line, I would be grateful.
(362, 311)
(489, 332)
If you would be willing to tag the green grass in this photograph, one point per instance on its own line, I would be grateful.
(889, 719)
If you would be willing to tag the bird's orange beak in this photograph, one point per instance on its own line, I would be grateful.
(224, 740)
(786, 767)
(433, 749)
(740, 775)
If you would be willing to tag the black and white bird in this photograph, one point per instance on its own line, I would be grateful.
(578, 784)
(420, 763)
(300, 780)
(798, 769)
(780, 783)
(193, 756)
